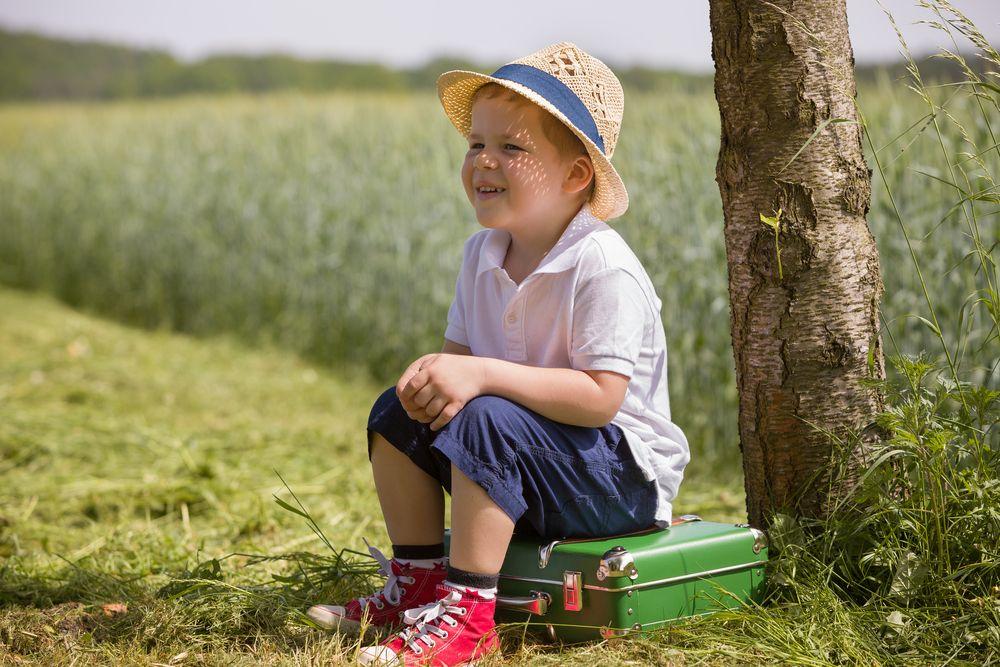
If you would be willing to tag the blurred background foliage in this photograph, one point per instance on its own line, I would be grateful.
(36, 67)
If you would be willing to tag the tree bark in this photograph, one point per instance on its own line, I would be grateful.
(804, 337)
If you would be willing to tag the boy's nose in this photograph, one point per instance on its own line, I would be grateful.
(484, 161)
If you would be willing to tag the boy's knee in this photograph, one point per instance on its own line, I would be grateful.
(386, 409)
(385, 403)
(386, 412)
(484, 408)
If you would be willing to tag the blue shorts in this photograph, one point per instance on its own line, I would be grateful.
(552, 479)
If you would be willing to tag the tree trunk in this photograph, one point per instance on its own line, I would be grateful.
(805, 322)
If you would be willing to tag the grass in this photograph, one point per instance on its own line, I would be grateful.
(139, 524)
(133, 465)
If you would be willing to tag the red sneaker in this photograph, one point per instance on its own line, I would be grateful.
(383, 608)
(458, 629)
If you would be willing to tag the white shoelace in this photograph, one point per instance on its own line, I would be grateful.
(422, 617)
(391, 591)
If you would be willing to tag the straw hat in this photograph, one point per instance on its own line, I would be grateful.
(573, 86)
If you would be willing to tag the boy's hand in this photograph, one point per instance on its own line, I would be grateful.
(436, 386)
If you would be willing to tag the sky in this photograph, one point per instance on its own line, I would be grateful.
(659, 33)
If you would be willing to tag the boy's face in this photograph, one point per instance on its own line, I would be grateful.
(509, 150)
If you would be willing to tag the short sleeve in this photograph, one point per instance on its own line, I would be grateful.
(456, 329)
(609, 321)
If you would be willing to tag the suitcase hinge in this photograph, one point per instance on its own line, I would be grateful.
(617, 562)
(759, 537)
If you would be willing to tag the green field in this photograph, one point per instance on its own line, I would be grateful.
(282, 258)
(333, 225)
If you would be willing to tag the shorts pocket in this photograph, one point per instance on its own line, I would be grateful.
(599, 515)
(583, 516)
(634, 510)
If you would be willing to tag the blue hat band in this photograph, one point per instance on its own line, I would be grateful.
(556, 93)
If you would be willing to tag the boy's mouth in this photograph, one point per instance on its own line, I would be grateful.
(489, 192)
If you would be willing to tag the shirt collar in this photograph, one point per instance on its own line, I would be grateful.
(563, 254)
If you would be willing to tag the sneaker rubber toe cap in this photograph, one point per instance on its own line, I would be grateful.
(329, 616)
(377, 655)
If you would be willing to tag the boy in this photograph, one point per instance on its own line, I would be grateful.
(547, 409)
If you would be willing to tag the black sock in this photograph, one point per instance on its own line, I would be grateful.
(471, 579)
(418, 551)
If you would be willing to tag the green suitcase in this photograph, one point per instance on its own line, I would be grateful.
(583, 589)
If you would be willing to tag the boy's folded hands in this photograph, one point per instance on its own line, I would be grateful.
(436, 386)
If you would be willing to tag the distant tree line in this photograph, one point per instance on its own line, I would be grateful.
(35, 67)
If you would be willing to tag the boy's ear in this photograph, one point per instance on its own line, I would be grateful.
(580, 174)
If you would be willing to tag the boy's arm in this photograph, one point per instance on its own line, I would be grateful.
(588, 398)
(581, 398)
(568, 397)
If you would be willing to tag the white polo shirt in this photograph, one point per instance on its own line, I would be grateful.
(589, 305)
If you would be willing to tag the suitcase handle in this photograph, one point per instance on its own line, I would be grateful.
(537, 603)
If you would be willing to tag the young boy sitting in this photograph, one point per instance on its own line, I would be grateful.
(547, 408)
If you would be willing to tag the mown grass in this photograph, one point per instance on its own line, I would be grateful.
(141, 469)
(134, 463)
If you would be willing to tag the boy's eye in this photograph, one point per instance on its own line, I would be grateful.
(479, 145)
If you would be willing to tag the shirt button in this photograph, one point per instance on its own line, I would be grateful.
(512, 318)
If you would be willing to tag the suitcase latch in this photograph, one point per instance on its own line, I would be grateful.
(617, 562)
(572, 591)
